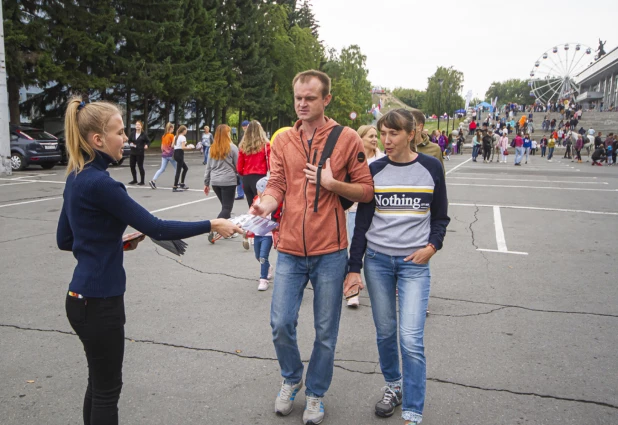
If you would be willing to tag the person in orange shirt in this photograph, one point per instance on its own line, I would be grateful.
(167, 153)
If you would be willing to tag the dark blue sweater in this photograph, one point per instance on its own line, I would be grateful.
(95, 214)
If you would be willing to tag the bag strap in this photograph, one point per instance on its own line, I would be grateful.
(331, 141)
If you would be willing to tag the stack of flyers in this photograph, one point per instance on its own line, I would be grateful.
(258, 225)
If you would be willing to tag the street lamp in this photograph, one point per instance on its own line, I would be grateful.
(441, 81)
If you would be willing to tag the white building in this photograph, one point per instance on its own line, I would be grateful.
(599, 82)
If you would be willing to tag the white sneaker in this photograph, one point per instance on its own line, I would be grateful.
(353, 302)
(263, 286)
(314, 411)
(285, 399)
(270, 273)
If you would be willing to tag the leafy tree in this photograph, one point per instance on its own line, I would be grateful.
(509, 91)
(411, 97)
(28, 49)
(304, 18)
(443, 97)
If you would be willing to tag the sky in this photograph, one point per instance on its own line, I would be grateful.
(406, 40)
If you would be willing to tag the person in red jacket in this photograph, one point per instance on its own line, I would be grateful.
(253, 159)
(472, 126)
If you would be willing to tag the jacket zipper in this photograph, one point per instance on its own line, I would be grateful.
(338, 231)
(305, 192)
(315, 156)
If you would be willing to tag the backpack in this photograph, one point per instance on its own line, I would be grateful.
(513, 143)
(326, 153)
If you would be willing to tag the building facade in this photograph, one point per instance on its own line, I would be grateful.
(598, 84)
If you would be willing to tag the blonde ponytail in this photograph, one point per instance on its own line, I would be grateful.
(80, 120)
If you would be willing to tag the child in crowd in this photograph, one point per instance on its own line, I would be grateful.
(263, 244)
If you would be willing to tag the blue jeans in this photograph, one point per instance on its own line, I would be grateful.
(543, 149)
(551, 153)
(262, 246)
(519, 154)
(326, 273)
(384, 275)
(475, 151)
(164, 162)
(206, 151)
(240, 193)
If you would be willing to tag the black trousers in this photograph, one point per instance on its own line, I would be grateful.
(99, 324)
(139, 161)
(249, 185)
(181, 166)
(486, 152)
(226, 195)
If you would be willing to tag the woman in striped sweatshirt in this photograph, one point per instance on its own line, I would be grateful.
(409, 199)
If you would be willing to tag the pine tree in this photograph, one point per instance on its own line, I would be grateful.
(305, 18)
(28, 50)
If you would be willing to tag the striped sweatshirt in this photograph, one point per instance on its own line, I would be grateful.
(409, 210)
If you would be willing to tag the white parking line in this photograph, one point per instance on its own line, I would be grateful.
(28, 176)
(502, 186)
(519, 207)
(30, 202)
(127, 186)
(182, 205)
(500, 239)
(523, 180)
(457, 166)
(13, 184)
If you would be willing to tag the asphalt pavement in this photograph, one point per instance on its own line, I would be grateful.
(523, 309)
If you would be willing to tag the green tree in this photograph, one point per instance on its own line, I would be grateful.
(411, 97)
(305, 18)
(351, 89)
(509, 91)
(28, 50)
(444, 97)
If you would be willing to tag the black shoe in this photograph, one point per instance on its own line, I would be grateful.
(391, 399)
(183, 186)
(140, 184)
(176, 189)
(239, 198)
(152, 184)
(133, 182)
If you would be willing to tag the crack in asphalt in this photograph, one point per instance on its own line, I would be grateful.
(29, 219)
(503, 390)
(28, 237)
(469, 315)
(201, 271)
(476, 219)
(526, 308)
(374, 372)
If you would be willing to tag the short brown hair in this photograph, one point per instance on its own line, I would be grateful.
(312, 73)
(398, 119)
(419, 117)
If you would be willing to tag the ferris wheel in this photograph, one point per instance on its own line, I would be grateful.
(554, 72)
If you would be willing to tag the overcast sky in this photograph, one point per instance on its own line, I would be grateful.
(406, 40)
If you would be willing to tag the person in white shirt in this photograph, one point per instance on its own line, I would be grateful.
(180, 145)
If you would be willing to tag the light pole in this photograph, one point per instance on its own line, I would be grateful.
(441, 81)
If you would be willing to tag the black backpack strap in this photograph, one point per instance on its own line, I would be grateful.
(331, 141)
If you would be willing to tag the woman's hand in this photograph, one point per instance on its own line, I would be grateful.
(146, 147)
(351, 282)
(206, 190)
(421, 256)
(224, 227)
(131, 240)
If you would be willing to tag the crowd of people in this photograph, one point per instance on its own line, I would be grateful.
(313, 173)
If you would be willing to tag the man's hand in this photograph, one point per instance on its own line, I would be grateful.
(131, 240)
(326, 176)
(224, 227)
(421, 256)
(352, 280)
(145, 146)
(267, 205)
(206, 190)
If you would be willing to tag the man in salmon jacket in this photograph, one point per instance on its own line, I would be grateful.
(312, 239)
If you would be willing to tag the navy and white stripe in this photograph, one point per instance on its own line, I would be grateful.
(409, 209)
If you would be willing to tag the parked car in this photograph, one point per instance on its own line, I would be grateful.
(31, 146)
(126, 150)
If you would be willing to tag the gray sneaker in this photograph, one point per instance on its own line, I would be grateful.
(285, 399)
(314, 411)
(391, 399)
